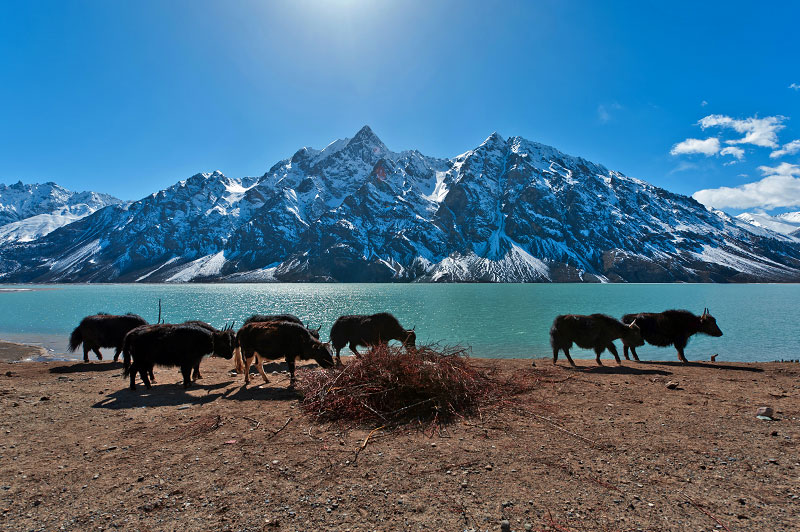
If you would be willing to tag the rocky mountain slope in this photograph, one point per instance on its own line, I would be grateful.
(28, 212)
(510, 210)
(786, 223)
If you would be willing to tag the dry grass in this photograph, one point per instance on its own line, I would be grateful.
(391, 385)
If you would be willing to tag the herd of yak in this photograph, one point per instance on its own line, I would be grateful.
(271, 337)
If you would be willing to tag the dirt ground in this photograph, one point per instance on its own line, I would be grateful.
(607, 449)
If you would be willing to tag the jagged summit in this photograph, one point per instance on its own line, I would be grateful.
(507, 210)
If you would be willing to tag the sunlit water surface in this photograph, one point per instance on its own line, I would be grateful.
(495, 320)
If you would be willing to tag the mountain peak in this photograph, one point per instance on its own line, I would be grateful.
(493, 139)
(365, 135)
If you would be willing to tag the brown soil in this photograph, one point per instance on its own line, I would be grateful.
(608, 449)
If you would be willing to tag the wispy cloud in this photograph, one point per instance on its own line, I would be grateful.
(790, 148)
(780, 188)
(604, 111)
(758, 131)
(707, 147)
(795, 86)
(703, 103)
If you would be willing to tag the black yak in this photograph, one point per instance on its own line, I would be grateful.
(596, 331)
(273, 340)
(172, 345)
(196, 372)
(103, 330)
(367, 331)
(291, 318)
(671, 327)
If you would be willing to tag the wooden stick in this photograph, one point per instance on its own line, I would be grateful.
(280, 429)
(709, 514)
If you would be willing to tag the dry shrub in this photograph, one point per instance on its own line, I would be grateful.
(391, 385)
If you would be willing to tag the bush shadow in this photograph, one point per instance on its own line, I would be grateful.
(86, 367)
(273, 391)
(172, 394)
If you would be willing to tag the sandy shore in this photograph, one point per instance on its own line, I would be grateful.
(11, 351)
(606, 449)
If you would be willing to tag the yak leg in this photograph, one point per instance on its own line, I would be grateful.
(260, 366)
(133, 369)
(611, 347)
(186, 371)
(143, 374)
(97, 352)
(633, 352)
(291, 363)
(86, 350)
(152, 377)
(597, 351)
(566, 353)
(680, 345)
(555, 354)
(196, 371)
(354, 350)
(625, 351)
(117, 351)
(338, 358)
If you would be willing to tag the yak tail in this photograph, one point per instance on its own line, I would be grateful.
(238, 359)
(126, 356)
(75, 339)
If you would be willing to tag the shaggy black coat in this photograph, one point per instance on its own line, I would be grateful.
(671, 327)
(103, 330)
(273, 340)
(169, 345)
(596, 331)
(368, 330)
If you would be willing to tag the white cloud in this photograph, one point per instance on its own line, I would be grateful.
(703, 103)
(790, 148)
(738, 153)
(758, 131)
(795, 86)
(707, 147)
(780, 188)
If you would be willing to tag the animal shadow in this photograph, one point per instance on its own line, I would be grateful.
(709, 365)
(624, 370)
(276, 390)
(85, 367)
(172, 394)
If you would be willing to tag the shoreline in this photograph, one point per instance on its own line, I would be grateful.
(15, 352)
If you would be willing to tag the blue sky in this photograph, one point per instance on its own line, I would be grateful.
(130, 97)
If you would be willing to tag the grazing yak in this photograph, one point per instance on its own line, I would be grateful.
(273, 340)
(671, 327)
(196, 372)
(269, 318)
(103, 330)
(596, 331)
(172, 346)
(368, 331)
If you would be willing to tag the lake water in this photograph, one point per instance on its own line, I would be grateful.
(496, 320)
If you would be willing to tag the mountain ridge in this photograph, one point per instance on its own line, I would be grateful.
(509, 210)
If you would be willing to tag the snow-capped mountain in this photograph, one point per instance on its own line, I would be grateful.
(508, 210)
(786, 223)
(28, 212)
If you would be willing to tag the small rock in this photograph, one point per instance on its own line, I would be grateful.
(505, 526)
(506, 504)
(183, 407)
(671, 385)
(764, 412)
(9, 374)
(45, 398)
(488, 467)
(528, 526)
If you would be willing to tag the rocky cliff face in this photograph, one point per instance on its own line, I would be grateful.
(509, 210)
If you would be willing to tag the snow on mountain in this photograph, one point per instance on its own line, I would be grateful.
(508, 210)
(785, 223)
(28, 212)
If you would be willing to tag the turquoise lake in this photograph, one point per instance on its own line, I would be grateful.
(495, 320)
